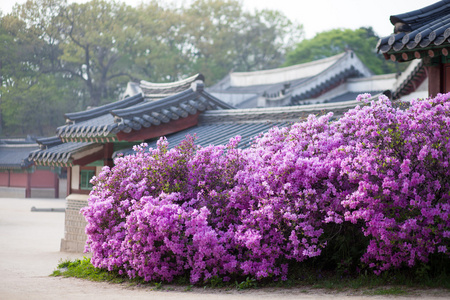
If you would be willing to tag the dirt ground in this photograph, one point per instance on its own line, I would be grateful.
(29, 252)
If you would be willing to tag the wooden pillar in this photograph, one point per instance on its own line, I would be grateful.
(434, 80)
(108, 150)
(445, 78)
(56, 185)
(69, 181)
(28, 188)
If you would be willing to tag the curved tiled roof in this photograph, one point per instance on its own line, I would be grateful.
(185, 103)
(104, 109)
(302, 81)
(59, 155)
(87, 130)
(320, 86)
(99, 129)
(154, 91)
(47, 142)
(134, 113)
(276, 114)
(417, 31)
(216, 127)
(15, 155)
(215, 134)
(162, 90)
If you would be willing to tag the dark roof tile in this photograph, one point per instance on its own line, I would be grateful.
(425, 27)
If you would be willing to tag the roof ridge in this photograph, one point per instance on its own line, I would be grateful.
(283, 69)
(167, 85)
(104, 109)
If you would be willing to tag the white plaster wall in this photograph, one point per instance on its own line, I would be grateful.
(374, 83)
(233, 99)
(75, 184)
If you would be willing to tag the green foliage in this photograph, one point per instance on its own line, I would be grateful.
(328, 43)
(398, 282)
(224, 37)
(247, 284)
(86, 53)
(32, 107)
(82, 268)
(395, 291)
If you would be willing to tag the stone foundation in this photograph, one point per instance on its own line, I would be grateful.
(74, 237)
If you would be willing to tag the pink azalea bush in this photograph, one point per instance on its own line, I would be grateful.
(223, 212)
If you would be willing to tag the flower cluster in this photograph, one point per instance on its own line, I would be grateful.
(219, 211)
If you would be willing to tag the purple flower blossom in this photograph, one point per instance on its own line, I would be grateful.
(220, 211)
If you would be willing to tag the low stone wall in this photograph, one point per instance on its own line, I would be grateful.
(20, 192)
(74, 236)
(12, 192)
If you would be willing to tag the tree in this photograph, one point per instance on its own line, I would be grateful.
(263, 40)
(160, 54)
(328, 43)
(223, 37)
(33, 99)
(97, 36)
(86, 53)
(28, 96)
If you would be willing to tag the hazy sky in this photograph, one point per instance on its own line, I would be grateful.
(320, 15)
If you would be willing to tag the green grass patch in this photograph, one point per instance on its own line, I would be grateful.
(82, 268)
(398, 282)
(392, 291)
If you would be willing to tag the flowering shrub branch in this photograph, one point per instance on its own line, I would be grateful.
(219, 211)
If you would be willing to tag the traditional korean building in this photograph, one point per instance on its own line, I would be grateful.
(19, 177)
(422, 35)
(89, 138)
(334, 79)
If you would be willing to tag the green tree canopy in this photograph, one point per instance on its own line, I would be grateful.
(328, 43)
(87, 52)
(221, 37)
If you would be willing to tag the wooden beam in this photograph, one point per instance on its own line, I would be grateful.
(82, 161)
(393, 57)
(418, 54)
(444, 51)
(431, 53)
(160, 130)
(406, 56)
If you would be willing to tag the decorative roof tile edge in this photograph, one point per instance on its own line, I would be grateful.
(63, 158)
(415, 31)
(411, 15)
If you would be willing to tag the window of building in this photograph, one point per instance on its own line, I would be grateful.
(85, 178)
